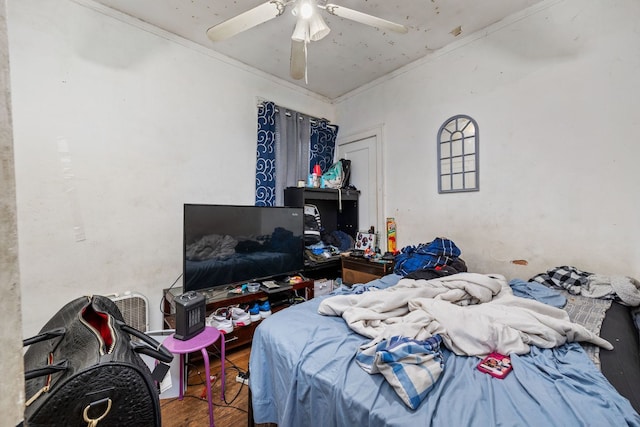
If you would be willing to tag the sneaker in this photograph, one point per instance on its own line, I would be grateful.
(220, 320)
(254, 312)
(265, 309)
(240, 317)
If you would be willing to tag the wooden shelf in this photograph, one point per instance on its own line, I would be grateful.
(363, 270)
(243, 335)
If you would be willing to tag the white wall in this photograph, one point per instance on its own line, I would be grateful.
(556, 94)
(11, 362)
(115, 128)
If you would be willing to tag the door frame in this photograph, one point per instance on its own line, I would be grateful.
(377, 133)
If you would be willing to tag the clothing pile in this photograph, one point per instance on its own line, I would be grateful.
(430, 260)
(320, 245)
(577, 282)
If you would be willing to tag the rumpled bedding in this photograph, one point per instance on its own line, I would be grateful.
(303, 372)
(538, 292)
(475, 314)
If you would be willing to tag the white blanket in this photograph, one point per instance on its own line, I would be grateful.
(474, 313)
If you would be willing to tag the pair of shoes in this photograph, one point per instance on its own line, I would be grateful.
(260, 310)
(221, 320)
(226, 318)
(265, 308)
(254, 312)
(240, 316)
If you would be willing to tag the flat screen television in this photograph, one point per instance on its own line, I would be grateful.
(228, 245)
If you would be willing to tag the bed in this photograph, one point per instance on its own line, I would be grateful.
(306, 370)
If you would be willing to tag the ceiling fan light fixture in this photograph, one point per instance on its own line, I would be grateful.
(318, 29)
(307, 8)
(301, 32)
(310, 26)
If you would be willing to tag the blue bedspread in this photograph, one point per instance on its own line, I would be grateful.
(303, 372)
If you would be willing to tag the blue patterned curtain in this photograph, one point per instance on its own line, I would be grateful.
(266, 155)
(323, 144)
(289, 145)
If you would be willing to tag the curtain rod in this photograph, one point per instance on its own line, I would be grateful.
(288, 114)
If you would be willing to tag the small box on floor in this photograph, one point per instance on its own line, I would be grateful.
(322, 287)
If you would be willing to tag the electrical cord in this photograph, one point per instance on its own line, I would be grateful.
(234, 367)
(217, 355)
(194, 369)
(215, 380)
(224, 398)
(164, 296)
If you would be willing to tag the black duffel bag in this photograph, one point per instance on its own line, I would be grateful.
(84, 369)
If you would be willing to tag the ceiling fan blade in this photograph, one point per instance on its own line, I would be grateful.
(364, 18)
(298, 60)
(246, 20)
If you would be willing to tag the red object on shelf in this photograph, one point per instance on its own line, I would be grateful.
(317, 170)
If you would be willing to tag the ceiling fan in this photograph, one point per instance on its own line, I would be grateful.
(309, 26)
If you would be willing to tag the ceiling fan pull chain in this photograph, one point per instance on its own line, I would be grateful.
(306, 80)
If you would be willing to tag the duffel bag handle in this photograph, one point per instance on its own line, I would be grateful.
(63, 365)
(52, 368)
(47, 335)
(152, 348)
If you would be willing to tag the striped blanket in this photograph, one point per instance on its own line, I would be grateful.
(410, 366)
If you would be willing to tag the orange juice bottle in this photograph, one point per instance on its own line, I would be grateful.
(391, 236)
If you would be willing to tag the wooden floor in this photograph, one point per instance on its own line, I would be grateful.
(193, 410)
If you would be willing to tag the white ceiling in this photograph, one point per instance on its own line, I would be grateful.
(350, 56)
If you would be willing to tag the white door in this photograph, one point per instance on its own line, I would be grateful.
(364, 151)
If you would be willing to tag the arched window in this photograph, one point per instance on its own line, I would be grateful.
(458, 155)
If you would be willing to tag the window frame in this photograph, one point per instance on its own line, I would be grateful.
(464, 174)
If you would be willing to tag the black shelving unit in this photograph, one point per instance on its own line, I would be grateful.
(338, 211)
(338, 208)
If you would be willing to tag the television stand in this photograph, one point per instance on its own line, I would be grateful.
(243, 335)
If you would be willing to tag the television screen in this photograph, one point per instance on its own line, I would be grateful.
(228, 245)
